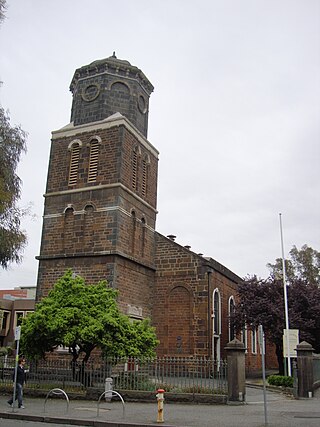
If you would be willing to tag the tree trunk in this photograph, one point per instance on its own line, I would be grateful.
(85, 375)
(74, 363)
(279, 353)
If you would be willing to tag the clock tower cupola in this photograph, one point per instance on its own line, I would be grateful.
(107, 86)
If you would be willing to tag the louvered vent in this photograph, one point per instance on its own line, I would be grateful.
(134, 170)
(74, 164)
(144, 177)
(93, 162)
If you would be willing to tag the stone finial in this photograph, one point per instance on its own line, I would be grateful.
(304, 346)
(235, 344)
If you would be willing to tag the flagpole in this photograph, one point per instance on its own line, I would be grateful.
(285, 298)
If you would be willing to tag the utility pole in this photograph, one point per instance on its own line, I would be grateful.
(285, 298)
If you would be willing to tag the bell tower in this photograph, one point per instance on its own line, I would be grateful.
(101, 194)
(107, 86)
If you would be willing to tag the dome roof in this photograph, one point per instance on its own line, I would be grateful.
(112, 58)
(114, 66)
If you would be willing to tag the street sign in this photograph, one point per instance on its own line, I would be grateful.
(293, 342)
(17, 333)
(261, 339)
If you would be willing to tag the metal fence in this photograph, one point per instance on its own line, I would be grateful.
(176, 374)
(316, 367)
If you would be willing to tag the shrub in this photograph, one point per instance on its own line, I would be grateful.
(3, 351)
(280, 381)
(197, 389)
(132, 381)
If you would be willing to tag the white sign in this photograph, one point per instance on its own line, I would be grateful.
(17, 333)
(293, 342)
(261, 339)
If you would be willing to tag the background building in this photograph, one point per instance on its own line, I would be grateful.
(15, 304)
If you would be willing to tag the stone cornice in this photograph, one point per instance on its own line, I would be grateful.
(100, 187)
(105, 209)
(115, 120)
(95, 255)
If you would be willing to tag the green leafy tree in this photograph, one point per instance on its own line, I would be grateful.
(12, 144)
(12, 238)
(3, 7)
(303, 264)
(84, 317)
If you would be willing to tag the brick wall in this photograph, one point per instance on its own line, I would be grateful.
(115, 162)
(254, 361)
(181, 312)
(134, 282)
(102, 230)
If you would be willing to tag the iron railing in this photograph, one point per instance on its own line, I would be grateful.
(177, 374)
(316, 367)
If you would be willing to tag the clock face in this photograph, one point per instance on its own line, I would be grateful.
(142, 105)
(90, 92)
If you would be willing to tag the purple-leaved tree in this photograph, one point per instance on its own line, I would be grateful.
(261, 301)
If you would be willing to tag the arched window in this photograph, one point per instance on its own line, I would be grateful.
(68, 229)
(93, 160)
(120, 96)
(244, 337)
(74, 148)
(216, 312)
(88, 228)
(231, 308)
(179, 337)
(120, 88)
(253, 340)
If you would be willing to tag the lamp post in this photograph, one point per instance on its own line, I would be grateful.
(285, 299)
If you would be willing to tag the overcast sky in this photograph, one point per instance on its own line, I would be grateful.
(235, 113)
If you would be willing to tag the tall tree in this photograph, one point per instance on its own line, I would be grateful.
(12, 144)
(261, 302)
(84, 317)
(12, 238)
(303, 264)
(3, 7)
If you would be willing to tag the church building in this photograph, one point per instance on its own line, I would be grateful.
(100, 214)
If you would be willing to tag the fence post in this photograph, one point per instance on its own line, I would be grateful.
(305, 369)
(236, 371)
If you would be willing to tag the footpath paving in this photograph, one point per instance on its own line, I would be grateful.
(281, 411)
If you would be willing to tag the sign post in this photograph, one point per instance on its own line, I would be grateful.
(17, 333)
(261, 341)
(291, 336)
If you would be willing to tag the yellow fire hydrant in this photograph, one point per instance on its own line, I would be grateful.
(160, 399)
